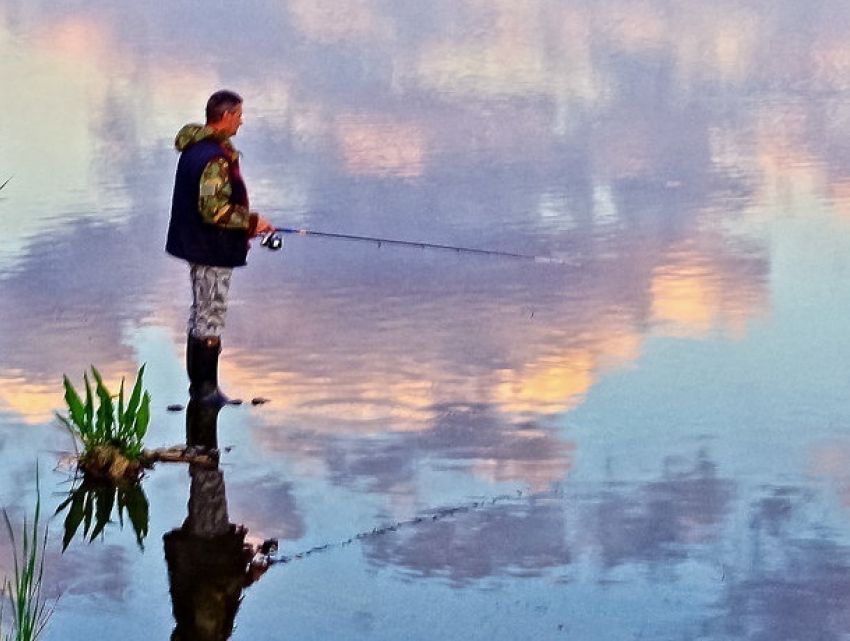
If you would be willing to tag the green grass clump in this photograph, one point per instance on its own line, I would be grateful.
(107, 425)
(29, 611)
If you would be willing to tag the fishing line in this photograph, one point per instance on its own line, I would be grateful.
(269, 554)
(275, 241)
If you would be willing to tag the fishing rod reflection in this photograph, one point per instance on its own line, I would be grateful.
(209, 561)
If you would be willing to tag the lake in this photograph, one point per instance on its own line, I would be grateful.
(625, 417)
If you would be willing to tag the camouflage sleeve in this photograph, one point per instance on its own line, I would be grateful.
(214, 201)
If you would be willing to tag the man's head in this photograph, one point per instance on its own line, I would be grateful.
(224, 112)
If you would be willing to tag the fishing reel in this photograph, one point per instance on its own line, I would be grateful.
(272, 242)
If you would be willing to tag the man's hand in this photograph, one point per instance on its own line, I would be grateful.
(264, 226)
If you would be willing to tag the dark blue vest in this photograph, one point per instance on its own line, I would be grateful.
(189, 237)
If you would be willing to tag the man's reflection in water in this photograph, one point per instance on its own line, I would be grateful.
(209, 562)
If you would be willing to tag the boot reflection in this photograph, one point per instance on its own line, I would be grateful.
(209, 563)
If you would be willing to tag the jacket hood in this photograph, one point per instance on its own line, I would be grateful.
(191, 134)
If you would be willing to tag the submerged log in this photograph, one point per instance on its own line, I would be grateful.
(180, 454)
(108, 462)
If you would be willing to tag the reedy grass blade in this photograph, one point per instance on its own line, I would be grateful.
(73, 518)
(138, 511)
(75, 404)
(122, 505)
(11, 532)
(143, 418)
(122, 423)
(64, 504)
(135, 397)
(89, 408)
(88, 512)
(28, 609)
(106, 411)
(104, 501)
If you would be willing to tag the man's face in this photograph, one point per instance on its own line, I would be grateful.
(231, 121)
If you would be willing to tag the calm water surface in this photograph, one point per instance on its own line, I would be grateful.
(644, 439)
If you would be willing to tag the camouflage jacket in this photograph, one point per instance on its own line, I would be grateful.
(215, 202)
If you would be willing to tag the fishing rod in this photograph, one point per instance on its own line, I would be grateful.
(275, 242)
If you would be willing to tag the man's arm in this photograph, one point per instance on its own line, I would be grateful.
(214, 201)
(216, 208)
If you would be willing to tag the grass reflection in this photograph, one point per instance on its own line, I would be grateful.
(92, 505)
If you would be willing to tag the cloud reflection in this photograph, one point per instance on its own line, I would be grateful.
(519, 540)
(792, 586)
(495, 123)
(655, 522)
(329, 21)
(372, 147)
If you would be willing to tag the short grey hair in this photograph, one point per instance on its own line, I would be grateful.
(220, 103)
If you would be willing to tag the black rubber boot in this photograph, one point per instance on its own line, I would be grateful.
(190, 351)
(202, 367)
(202, 425)
(202, 429)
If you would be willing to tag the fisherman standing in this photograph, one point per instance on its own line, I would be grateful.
(211, 224)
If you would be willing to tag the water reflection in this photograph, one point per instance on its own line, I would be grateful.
(524, 539)
(794, 587)
(94, 505)
(578, 191)
(209, 561)
(660, 522)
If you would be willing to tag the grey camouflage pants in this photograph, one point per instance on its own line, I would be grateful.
(209, 300)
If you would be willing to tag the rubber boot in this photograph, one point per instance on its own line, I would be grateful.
(190, 351)
(202, 367)
(202, 428)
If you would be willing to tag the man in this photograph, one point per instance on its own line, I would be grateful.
(211, 224)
